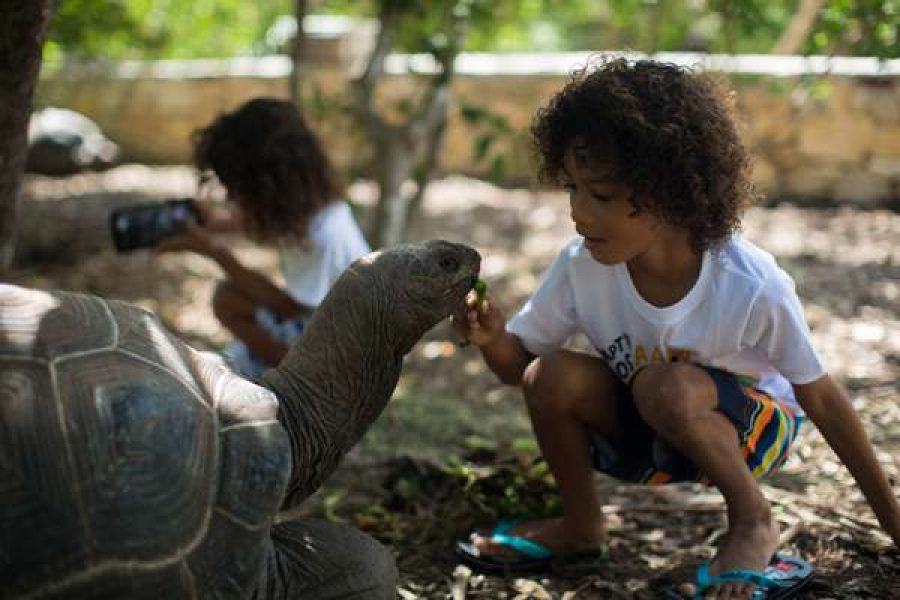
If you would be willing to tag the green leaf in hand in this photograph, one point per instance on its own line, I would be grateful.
(480, 292)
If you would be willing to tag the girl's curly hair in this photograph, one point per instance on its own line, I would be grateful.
(272, 164)
(668, 132)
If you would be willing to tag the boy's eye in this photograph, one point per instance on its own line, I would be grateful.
(600, 197)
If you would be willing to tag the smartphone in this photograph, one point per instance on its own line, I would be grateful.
(146, 225)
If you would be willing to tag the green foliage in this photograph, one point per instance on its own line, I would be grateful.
(116, 29)
(490, 483)
(92, 27)
(858, 27)
(330, 504)
(488, 128)
(511, 487)
(749, 26)
(650, 25)
(119, 29)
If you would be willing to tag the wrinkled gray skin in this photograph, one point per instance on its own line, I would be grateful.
(132, 466)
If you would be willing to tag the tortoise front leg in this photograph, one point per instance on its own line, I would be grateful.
(316, 560)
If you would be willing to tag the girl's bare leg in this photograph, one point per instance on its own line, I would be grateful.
(237, 312)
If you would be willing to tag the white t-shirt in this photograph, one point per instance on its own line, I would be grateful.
(334, 241)
(742, 316)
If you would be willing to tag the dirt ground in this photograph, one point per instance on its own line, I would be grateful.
(453, 449)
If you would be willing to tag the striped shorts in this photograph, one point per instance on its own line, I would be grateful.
(766, 430)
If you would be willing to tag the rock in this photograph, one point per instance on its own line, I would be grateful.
(64, 142)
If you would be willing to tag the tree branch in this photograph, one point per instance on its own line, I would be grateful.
(364, 86)
(798, 30)
(296, 49)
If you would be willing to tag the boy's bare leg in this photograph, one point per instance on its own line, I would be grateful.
(679, 402)
(566, 393)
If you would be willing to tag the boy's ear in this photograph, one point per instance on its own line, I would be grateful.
(636, 209)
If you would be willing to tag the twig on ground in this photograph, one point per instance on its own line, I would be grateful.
(461, 576)
(655, 507)
(790, 533)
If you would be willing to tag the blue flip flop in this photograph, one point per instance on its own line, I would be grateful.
(534, 557)
(784, 577)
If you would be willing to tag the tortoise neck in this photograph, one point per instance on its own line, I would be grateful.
(331, 386)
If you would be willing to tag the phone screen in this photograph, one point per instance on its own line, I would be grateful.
(145, 225)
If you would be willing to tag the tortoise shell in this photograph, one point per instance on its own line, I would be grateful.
(130, 464)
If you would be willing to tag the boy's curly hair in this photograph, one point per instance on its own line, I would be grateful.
(669, 134)
(272, 164)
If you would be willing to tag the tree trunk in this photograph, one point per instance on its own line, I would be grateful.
(401, 147)
(392, 212)
(429, 170)
(23, 27)
(295, 92)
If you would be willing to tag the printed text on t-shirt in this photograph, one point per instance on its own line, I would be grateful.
(625, 360)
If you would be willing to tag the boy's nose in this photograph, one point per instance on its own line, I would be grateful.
(578, 214)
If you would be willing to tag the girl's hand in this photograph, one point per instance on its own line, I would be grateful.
(218, 218)
(208, 212)
(481, 322)
(191, 239)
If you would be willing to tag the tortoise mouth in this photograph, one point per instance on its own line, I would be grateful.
(466, 283)
(461, 287)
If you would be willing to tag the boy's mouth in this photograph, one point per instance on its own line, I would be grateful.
(583, 234)
(592, 239)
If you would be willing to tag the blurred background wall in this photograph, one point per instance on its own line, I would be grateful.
(817, 129)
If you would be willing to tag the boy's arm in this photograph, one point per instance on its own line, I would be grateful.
(506, 356)
(485, 325)
(826, 404)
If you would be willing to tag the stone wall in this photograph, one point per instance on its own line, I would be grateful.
(817, 129)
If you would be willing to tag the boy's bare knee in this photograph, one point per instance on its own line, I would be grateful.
(669, 397)
(538, 380)
(568, 382)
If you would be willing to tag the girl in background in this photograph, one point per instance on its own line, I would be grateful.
(282, 192)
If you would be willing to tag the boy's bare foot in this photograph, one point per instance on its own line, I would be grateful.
(747, 545)
(550, 533)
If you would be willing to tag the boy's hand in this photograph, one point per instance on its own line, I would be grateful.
(480, 323)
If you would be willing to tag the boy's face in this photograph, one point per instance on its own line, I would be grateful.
(613, 230)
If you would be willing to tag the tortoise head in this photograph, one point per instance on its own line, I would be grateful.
(412, 287)
(336, 380)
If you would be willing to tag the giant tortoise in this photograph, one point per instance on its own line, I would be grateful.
(133, 466)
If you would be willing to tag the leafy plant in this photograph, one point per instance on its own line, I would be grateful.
(489, 128)
(858, 27)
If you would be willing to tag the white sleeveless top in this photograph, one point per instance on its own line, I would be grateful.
(334, 241)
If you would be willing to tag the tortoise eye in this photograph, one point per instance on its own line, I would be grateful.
(449, 263)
